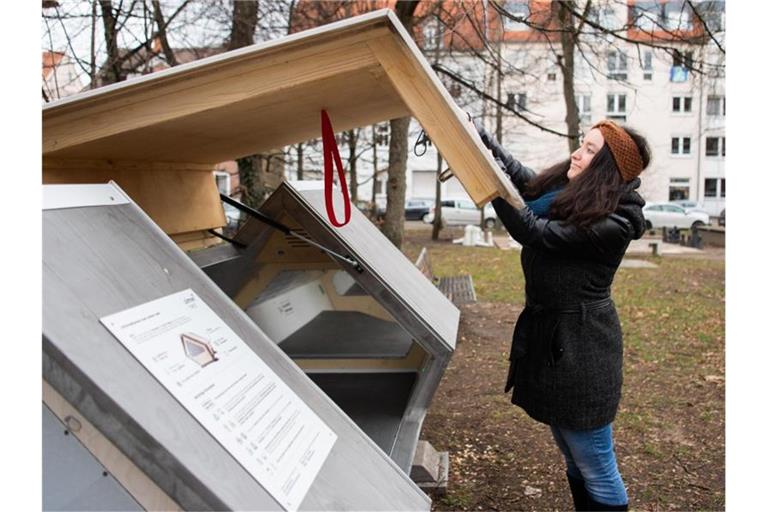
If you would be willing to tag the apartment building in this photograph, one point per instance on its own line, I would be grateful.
(670, 87)
(674, 94)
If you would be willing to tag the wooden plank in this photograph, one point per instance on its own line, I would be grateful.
(180, 199)
(413, 361)
(207, 109)
(350, 29)
(74, 164)
(362, 303)
(138, 485)
(447, 126)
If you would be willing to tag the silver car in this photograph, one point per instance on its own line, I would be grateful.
(460, 211)
(668, 215)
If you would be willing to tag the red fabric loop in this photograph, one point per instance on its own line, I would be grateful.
(331, 156)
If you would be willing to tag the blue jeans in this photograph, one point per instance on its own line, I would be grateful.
(589, 456)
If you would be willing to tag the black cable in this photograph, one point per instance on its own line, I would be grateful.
(285, 229)
(227, 239)
(422, 140)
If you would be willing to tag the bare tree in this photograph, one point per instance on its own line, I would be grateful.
(113, 71)
(394, 218)
(162, 35)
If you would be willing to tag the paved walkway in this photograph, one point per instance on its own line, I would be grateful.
(631, 263)
(642, 246)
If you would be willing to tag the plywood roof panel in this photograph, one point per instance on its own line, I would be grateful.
(362, 70)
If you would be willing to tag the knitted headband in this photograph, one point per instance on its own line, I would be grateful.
(623, 149)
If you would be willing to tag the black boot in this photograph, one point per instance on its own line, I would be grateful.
(579, 493)
(597, 506)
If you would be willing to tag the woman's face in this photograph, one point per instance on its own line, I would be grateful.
(582, 157)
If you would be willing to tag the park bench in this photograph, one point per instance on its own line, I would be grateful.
(459, 289)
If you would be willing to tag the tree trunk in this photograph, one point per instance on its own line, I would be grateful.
(162, 35)
(566, 64)
(352, 140)
(92, 62)
(394, 217)
(251, 171)
(437, 222)
(245, 15)
(375, 172)
(112, 71)
(300, 161)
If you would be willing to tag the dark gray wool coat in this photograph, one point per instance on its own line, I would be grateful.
(566, 357)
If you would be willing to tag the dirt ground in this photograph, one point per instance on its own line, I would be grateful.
(670, 430)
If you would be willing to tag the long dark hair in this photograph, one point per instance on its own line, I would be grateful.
(591, 195)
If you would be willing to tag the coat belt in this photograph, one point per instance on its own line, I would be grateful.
(577, 307)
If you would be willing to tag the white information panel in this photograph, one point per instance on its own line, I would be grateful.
(255, 416)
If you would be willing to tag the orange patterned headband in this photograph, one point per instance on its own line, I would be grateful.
(623, 149)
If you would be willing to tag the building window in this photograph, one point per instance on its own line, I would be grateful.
(584, 107)
(713, 14)
(516, 101)
(722, 187)
(431, 36)
(710, 187)
(682, 104)
(715, 105)
(679, 189)
(682, 62)
(223, 182)
(519, 12)
(646, 15)
(648, 65)
(616, 108)
(605, 15)
(677, 16)
(551, 76)
(681, 145)
(617, 65)
(715, 146)
(682, 59)
(382, 134)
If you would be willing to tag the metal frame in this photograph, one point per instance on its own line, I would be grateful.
(419, 314)
(127, 260)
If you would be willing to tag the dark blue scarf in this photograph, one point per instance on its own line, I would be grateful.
(540, 205)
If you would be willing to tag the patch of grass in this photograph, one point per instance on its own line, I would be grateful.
(673, 320)
(653, 451)
(457, 498)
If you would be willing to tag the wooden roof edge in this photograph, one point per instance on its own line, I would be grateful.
(339, 29)
(505, 188)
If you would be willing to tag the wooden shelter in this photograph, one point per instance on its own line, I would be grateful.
(381, 329)
(159, 136)
(101, 255)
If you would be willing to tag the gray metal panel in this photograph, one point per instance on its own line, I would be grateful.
(375, 401)
(73, 479)
(101, 260)
(388, 276)
(350, 334)
(360, 238)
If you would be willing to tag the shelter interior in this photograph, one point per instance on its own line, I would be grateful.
(334, 330)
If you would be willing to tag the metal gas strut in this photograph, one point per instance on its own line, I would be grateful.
(285, 230)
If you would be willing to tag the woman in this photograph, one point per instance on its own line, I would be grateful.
(566, 357)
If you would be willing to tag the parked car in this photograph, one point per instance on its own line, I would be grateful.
(668, 215)
(721, 219)
(460, 212)
(690, 206)
(417, 209)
